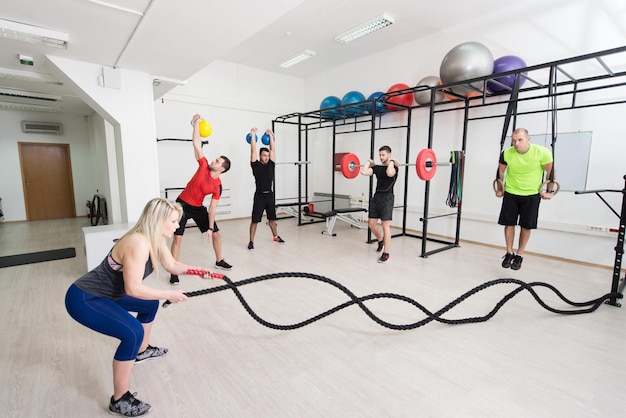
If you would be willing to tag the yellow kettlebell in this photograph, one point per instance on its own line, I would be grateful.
(205, 128)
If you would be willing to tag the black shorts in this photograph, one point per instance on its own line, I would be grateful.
(381, 206)
(263, 202)
(524, 208)
(199, 214)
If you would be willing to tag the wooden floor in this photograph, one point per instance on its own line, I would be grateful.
(524, 362)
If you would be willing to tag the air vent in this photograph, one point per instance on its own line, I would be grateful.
(7, 94)
(42, 127)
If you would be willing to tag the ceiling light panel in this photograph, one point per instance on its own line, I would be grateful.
(298, 58)
(21, 75)
(365, 28)
(117, 7)
(33, 34)
(26, 107)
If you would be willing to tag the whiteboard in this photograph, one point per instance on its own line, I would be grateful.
(571, 157)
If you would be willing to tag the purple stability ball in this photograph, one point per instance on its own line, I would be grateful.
(501, 65)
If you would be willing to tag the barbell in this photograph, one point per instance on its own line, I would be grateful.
(295, 162)
(425, 164)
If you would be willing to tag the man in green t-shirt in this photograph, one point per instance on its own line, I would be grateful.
(524, 164)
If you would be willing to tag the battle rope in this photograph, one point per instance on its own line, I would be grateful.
(455, 191)
(591, 305)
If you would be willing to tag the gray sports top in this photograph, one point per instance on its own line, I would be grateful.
(106, 280)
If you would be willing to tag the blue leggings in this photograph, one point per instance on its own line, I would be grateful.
(112, 317)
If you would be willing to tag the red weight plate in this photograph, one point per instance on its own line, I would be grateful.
(350, 166)
(424, 172)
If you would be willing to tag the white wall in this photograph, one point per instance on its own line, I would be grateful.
(233, 99)
(563, 30)
(113, 151)
(127, 104)
(75, 133)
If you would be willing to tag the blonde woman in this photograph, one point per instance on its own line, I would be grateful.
(103, 298)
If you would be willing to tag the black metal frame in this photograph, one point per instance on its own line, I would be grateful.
(179, 140)
(617, 288)
(536, 91)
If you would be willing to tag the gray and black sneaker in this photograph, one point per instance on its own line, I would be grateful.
(381, 244)
(174, 279)
(507, 260)
(223, 265)
(129, 406)
(150, 353)
(517, 262)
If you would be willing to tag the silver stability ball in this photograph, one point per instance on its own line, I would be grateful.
(463, 62)
(423, 96)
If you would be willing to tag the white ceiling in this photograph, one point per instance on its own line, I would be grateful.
(174, 39)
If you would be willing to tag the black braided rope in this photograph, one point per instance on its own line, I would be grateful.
(585, 307)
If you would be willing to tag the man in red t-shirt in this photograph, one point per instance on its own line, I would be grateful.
(206, 181)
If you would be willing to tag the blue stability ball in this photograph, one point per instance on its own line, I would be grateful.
(353, 97)
(380, 106)
(256, 138)
(466, 61)
(265, 139)
(504, 64)
(327, 103)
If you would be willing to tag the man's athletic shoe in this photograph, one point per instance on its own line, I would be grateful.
(278, 239)
(150, 353)
(174, 279)
(223, 265)
(129, 406)
(507, 260)
(251, 245)
(381, 244)
(384, 257)
(517, 262)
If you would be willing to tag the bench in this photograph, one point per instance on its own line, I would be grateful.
(291, 209)
(345, 214)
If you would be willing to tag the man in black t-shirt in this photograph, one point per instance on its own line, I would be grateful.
(381, 204)
(264, 198)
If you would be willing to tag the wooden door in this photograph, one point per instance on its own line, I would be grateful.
(47, 181)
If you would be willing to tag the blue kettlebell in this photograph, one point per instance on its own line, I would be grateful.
(265, 139)
(256, 138)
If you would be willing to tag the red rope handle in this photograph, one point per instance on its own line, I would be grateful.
(203, 272)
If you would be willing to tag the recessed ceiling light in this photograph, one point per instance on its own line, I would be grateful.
(298, 58)
(28, 76)
(33, 34)
(365, 28)
(28, 107)
(116, 7)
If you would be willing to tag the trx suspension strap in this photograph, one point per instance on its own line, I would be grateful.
(553, 111)
(511, 111)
